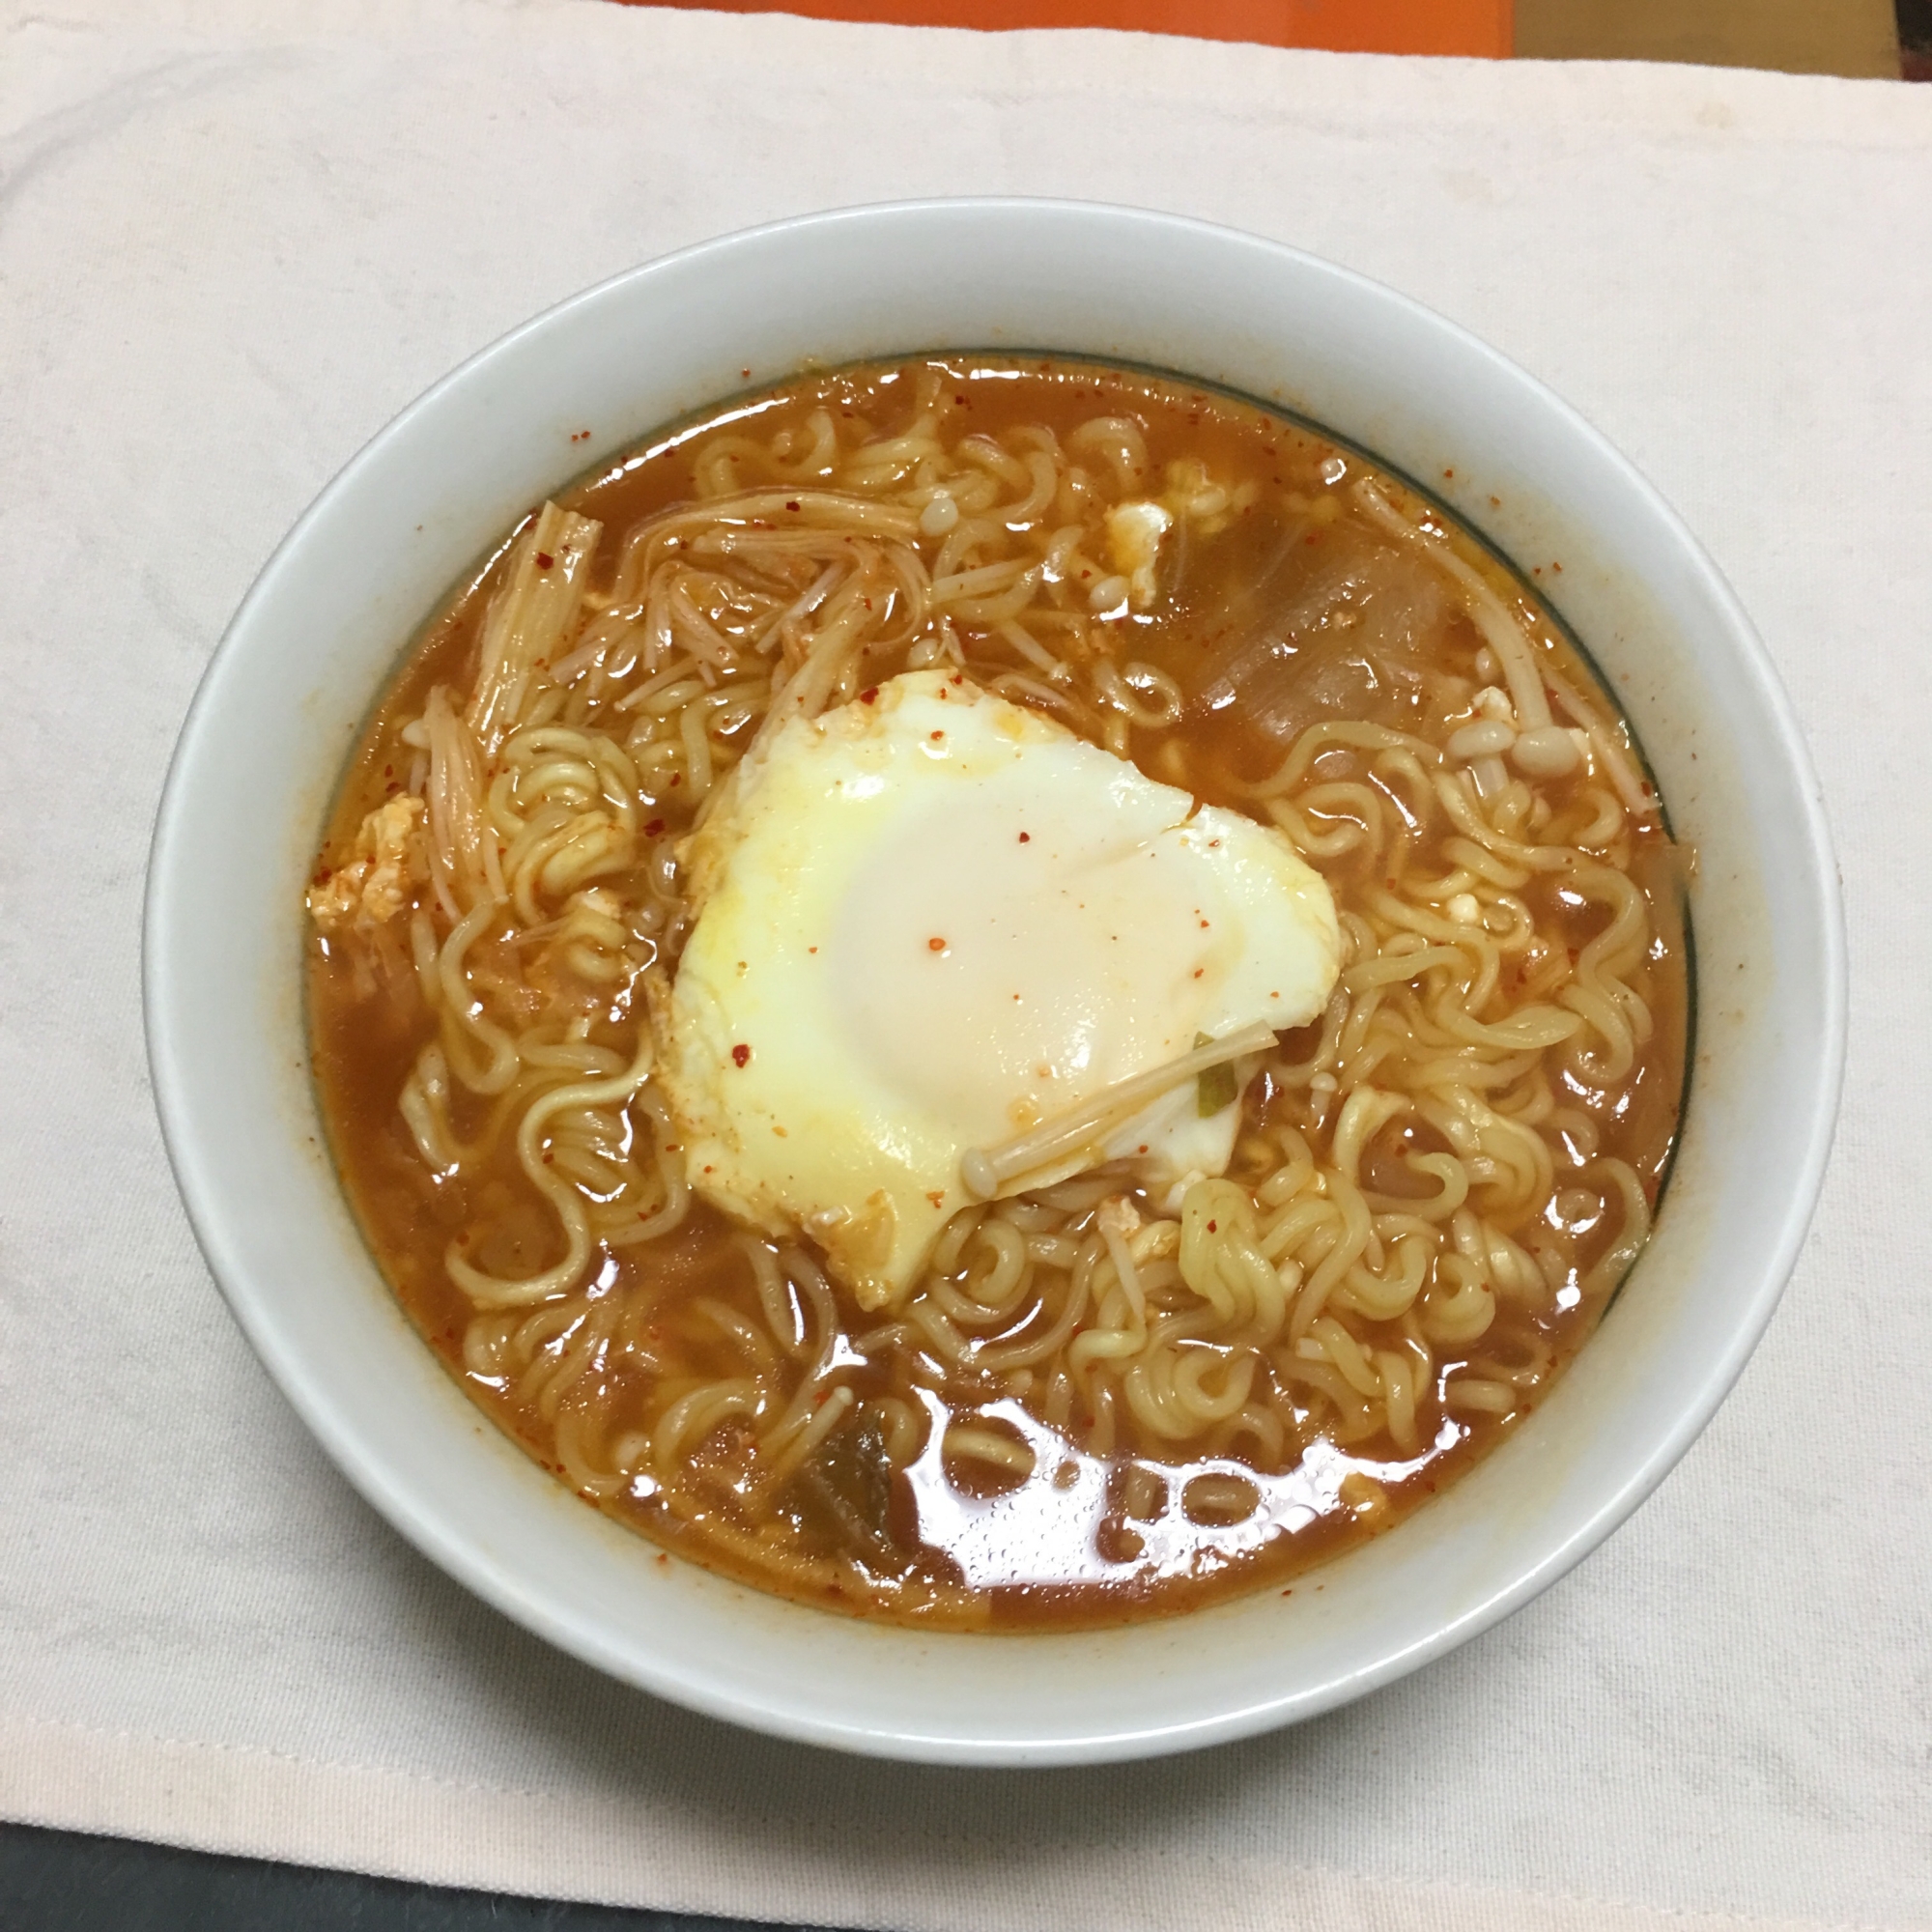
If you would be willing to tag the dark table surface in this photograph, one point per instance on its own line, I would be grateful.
(66, 1882)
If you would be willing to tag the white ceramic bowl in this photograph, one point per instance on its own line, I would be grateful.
(317, 638)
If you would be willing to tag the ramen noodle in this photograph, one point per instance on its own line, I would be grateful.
(660, 953)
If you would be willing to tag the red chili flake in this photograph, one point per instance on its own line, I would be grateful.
(741, 1054)
(870, 696)
(677, 778)
(545, 560)
(1449, 473)
(652, 830)
(791, 507)
(958, 677)
(324, 875)
(939, 734)
(1211, 1227)
(745, 373)
(394, 784)
(388, 771)
(1199, 970)
(1026, 838)
(935, 945)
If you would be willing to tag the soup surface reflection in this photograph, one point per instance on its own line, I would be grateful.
(1109, 1381)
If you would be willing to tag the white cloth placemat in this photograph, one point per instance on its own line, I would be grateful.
(235, 237)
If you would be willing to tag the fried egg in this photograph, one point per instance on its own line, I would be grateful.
(929, 921)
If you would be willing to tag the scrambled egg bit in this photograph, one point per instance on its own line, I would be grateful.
(930, 920)
(1135, 531)
(388, 863)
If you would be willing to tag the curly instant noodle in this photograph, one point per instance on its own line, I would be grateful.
(1092, 1403)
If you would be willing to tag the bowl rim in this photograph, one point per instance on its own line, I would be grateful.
(498, 1582)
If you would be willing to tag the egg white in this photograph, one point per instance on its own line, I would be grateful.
(929, 920)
